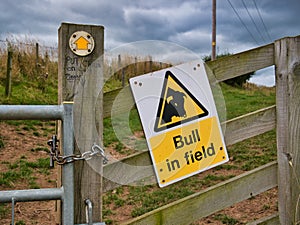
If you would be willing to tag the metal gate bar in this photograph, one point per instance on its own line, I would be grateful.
(31, 112)
(66, 192)
(68, 169)
(32, 195)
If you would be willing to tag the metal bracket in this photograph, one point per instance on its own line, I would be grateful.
(89, 211)
(53, 143)
(89, 214)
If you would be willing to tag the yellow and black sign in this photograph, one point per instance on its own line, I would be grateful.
(187, 150)
(177, 105)
(180, 121)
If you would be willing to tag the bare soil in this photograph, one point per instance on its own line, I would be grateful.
(21, 143)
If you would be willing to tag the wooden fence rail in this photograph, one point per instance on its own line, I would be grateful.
(237, 129)
(285, 55)
(213, 199)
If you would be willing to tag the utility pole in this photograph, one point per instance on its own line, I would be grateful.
(214, 33)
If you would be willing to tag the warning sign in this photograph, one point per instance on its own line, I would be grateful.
(188, 150)
(180, 121)
(177, 105)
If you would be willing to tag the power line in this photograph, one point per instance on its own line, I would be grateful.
(242, 22)
(262, 37)
(262, 21)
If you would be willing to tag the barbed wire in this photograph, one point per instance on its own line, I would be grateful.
(28, 44)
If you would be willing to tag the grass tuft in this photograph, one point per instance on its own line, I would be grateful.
(23, 170)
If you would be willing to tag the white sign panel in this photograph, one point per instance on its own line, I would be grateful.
(180, 121)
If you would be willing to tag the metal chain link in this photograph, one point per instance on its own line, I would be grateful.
(96, 150)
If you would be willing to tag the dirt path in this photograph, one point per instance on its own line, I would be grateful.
(21, 143)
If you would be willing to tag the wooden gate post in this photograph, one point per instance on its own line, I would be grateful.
(287, 62)
(80, 48)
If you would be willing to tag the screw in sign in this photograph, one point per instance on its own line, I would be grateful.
(81, 43)
(180, 121)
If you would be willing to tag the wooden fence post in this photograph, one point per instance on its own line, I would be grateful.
(120, 66)
(150, 64)
(37, 65)
(74, 61)
(135, 66)
(8, 73)
(287, 61)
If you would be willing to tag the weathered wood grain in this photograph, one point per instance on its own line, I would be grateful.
(213, 199)
(130, 170)
(80, 78)
(270, 220)
(119, 100)
(285, 54)
(223, 68)
(242, 63)
(237, 129)
(287, 58)
(249, 125)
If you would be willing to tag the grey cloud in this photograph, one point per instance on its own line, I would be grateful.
(187, 23)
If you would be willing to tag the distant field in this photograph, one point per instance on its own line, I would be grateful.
(128, 202)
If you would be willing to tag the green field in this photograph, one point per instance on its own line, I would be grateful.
(244, 156)
(31, 86)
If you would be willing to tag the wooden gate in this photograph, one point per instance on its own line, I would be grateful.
(285, 117)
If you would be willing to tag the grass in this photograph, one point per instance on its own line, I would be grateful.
(27, 92)
(240, 101)
(254, 152)
(1, 142)
(245, 155)
(23, 170)
(3, 210)
(225, 219)
(20, 222)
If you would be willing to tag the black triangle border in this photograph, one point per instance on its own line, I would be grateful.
(156, 129)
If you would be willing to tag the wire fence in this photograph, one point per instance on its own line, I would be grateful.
(29, 60)
(29, 46)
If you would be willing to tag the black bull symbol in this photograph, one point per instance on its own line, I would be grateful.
(174, 105)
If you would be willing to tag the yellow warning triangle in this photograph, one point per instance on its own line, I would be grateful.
(177, 105)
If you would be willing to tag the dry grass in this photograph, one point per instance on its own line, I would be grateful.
(26, 63)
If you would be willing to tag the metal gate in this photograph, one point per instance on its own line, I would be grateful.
(65, 193)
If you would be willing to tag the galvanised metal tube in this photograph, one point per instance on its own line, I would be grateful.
(31, 195)
(13, 211)
(68, 211)
(31, 112)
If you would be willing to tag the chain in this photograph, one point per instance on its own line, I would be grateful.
(96, 150)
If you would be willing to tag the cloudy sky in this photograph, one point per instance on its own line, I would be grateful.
(241, 24)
